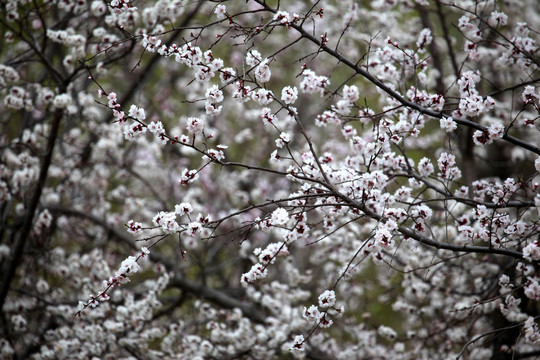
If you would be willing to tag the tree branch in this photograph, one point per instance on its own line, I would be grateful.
(11, 266)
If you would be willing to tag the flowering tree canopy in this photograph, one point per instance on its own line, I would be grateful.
(269, 179)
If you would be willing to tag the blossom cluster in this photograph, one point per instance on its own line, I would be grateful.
(281, 166)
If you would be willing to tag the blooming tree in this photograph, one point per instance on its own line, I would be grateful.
(269, 179)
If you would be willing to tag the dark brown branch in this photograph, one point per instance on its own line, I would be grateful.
(408, 233)
(11, 266)
(433, 48)
(446, 33)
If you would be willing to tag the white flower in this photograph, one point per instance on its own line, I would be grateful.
(195, 125)
(242, 92)
(137, 113)
(383, 238)
(285, 137)
(274, 157)
(497, 19)
(253, 58)
(189, 176)
(482, 138)
(8, 73)
(496, 131)
(280, 216)
(532, 251)
(448, 124)
(342, 107)
(387, 332)
(212, 109)
(325, 321)
(215, 154)
(194, 228)
(298, 343)
(183, 208)
(221, 11)
(134, 227)
(311, 313)
(19, 323)
(151, 43)
(262, 71)
(42, 286)
(227, 74)
(267, 116)
(531, 330)
(327, 299)
(214, 94)
(425, 167)
(98, 8)
(424, 39)
(446, 160)
(156, 127)
(532, 291)
(529, 96)
(256, 272)
(313, 83)
(262, 96)
(62, 101)
(289, 95)
(351, 93)
(283, 17)
(135, 128)
(167, 221)
(129, 266)
(144, 251)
